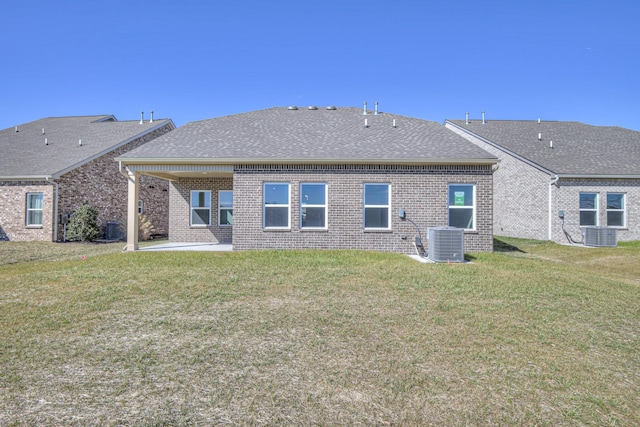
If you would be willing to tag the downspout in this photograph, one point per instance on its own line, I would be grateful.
(553, 182)
(55, 208)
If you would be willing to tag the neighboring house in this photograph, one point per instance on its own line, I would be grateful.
(314, 177)
(50, 167)
(590, 173)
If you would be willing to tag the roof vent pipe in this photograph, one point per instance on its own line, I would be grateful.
(538, 120)
(43, 131)
(151, 121)
(16, 129)
(80, 142)
(141, 117)
(483, 121)
(394, 123)
(366, 123)
(539, 136)
(550, 144)
(376, 109)
(466, 120)
(364, 111)
(46, 142)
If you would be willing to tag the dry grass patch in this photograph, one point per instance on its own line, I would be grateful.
(321, 337)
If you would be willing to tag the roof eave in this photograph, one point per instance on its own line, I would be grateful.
(26, 178)
(244, 160)
(597, 176)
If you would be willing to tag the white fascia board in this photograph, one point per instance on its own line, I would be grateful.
(600, 176)
(244, 161)
(26, 178)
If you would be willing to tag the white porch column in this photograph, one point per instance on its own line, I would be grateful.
(132, 211)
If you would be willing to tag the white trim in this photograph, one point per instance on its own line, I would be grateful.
(220, 208)
(623, 210)
(191, 208)
(275, 205)
(596, 208)
(365, 206)
(325, 205)
(473, 206)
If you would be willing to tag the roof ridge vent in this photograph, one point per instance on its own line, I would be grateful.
(331, 107)
(312, 107)
(292, 107)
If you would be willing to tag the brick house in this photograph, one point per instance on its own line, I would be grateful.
(590, 173)
(50, 167)
(312, 177)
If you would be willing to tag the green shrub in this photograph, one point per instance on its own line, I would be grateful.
(83, 225)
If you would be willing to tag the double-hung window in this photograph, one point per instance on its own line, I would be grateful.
(200, 208)
(377, 206)
(34, 209)
(588, 209)
(225, 207)
(313, 205)
(615, 210)
(276, 212)
(462, 206)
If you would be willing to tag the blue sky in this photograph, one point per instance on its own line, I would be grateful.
(193, 60)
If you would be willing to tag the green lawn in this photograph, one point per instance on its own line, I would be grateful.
(532, 334)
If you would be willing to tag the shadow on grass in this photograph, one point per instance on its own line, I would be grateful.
(502, 246)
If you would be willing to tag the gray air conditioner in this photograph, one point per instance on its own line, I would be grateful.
(599, 236)
(113, 231)
(446, 244)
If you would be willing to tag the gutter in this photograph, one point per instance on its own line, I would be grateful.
(55, 208)
(554, 181)
(297, 161)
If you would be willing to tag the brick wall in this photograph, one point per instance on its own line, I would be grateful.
(521, 199)
(520, 195)
(179, 196)
(98, 183)
(101, 184)
(567, 198)
(421, 191)
(13, 207)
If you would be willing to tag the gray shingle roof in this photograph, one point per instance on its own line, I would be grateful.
(578, 148)
(24, 153)
(321, 135)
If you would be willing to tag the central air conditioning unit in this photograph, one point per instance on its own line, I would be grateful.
(113, 231)
(599, 236)
(446, 244)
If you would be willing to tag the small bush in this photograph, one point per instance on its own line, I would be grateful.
(83, 225)
(145, 227)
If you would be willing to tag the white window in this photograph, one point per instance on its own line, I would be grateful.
(462, 206)
(225, 207)
(200, 208)
(34, 209)
(377, 206)
(276, 212)
(588, 208)
(313, 205)
(616, 214)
